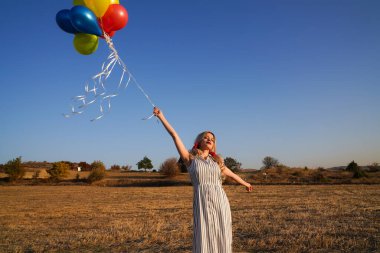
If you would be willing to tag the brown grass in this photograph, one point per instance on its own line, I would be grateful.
(340, 218)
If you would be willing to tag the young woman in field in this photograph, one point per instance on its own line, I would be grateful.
(211, 209)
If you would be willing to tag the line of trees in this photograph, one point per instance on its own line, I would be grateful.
(170, 167)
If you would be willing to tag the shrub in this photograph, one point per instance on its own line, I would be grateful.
(359, 173)
(115, 167)
(14, 169)
(318, 177)
(58, 171)
(98, 171)
(126, 167)
(170, 167)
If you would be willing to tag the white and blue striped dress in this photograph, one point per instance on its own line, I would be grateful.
(211, 210)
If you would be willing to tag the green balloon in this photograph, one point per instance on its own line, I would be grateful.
(85, 43)
(79, 2)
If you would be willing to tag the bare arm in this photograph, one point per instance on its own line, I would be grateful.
(183, 152)
(227, 172)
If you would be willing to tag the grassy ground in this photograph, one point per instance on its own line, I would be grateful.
(314, 218)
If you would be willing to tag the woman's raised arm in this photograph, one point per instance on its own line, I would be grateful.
(183, 152)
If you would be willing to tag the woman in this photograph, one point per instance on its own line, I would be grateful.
(211, 209)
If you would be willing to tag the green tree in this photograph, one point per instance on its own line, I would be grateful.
(352, 166)
(355, 169)
(14, 169)
(232, 164)
(145, 164)
(58, 171)
(270, 162)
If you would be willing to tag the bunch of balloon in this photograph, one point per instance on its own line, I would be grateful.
(90, 19)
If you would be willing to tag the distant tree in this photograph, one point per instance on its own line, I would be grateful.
(115, 167)
(145, 164)
(170, 167)
(232, 164)
(355, 169)
(352, 166)
(58, 171)
(14, 169)
(98, 171)
(270, 162)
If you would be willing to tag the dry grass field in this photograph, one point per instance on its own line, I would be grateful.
(289, 218)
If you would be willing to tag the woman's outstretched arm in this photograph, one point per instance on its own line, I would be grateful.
(183, 152)
(227, 172)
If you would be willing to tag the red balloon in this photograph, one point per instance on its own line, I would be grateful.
(115, 18)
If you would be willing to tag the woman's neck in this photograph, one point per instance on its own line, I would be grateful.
(205, 153)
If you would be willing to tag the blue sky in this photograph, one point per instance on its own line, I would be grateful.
(298, 80)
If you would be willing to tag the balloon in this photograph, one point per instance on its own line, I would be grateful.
(99, 7)
(84, 20)
(79, 2)
(114, 2)
(115, 18)
(85, 43)
(63, 19)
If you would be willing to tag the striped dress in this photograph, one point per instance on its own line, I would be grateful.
(211, 210)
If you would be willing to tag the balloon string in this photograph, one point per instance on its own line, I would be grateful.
(98, 92)
(111, 46)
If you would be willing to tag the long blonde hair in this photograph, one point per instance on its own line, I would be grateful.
(195, 151)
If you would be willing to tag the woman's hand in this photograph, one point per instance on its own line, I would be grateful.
(157, 112)
(248, 187)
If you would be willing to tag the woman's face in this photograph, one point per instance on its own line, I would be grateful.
(207, 142)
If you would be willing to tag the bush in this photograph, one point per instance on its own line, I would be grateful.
(98, 171)
(14, 169)
(170, 167)
(115, 167)
(126, 167)
(359, 173)
(58, 171)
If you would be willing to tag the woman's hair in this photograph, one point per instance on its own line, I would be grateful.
(195, 151)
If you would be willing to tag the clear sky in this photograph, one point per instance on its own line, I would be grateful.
(298, 80)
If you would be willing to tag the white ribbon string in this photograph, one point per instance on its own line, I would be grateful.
(97, 93)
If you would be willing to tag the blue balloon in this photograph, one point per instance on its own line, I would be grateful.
(84, 20)
(63, 19)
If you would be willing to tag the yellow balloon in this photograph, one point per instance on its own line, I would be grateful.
(99, 7)
(114, 1)
(85, 43)
(79, 2)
